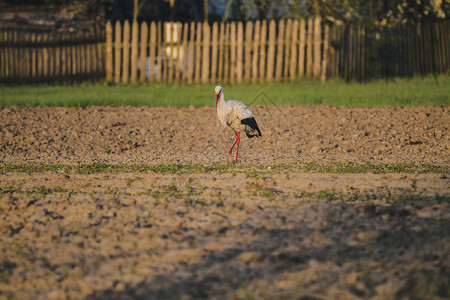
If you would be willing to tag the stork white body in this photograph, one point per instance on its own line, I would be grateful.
(236, 116)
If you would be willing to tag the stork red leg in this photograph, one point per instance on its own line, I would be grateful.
(237, 146)
(229, 151)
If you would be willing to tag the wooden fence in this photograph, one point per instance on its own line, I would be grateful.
(225, 52)
(221, 53)
(359, 53)
(27, 57)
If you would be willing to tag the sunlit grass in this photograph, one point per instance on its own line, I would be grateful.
(398, 92)
(249, 170)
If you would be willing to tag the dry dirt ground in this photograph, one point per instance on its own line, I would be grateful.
(239, 234)
(189, 135)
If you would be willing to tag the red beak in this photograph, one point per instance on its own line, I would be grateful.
(217, 99)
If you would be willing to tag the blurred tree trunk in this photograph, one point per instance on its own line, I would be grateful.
(316, 8)
(205, 10)
(136, 8)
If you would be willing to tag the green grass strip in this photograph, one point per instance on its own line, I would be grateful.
(332, 167)
(398, 92)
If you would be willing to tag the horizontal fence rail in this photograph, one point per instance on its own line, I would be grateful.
(221, 52)
(260, 51)
(37, 57)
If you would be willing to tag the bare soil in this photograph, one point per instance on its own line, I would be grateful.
(224, 235)
(189, 135)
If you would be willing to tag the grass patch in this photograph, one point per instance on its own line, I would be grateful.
(388, 196)
(398, 92)
(112, 168)
(336, 167)
(250, 171)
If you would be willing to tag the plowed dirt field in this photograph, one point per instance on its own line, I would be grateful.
(267, 230)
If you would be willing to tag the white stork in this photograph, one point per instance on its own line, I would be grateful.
(237, 116)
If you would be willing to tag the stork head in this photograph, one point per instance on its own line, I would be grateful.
(219, 92)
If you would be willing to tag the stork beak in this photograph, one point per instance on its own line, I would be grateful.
(217, 99)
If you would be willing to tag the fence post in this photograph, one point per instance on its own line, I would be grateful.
(159, 52)
(2, 55)
(271, 51)
(49, 59)
(364, 54)
(22, 56)
(287, 48)
(117, 52)
(101, 62)
(198, 56)
(88, 57)
(262, 52)
(178, 49)
(445, 42)
(301, 49)
(44, 56)
(126, 52)
(91, 53)
(19, 60)
(60, 57)
(191, 54)
(17, 55)
(439, 60)
(226, 63)
(293, 63)
(72, 58)
(143, 52)
(240, 50)
(185, 53)
(109, 56)
(3, 58)
(215, 30)
(152, 45)
(325, 53)
(338, 50)
(9, 54)
(85, 57)
(356, 42)
(317, 47)
(232, 52)
(26, 66)
(6, 55)
(80, 57)
(87, 61)
(169, 47)
(255, 52)
(279, 62)
(65, 59)
(86, 53)
(221, 52)
(248, 51)
(206, 52)
(33, 58)
(309, 56)
(357, 63)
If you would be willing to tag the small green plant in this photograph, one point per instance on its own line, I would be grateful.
(270, 193)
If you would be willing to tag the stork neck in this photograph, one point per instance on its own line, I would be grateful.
(219, 100)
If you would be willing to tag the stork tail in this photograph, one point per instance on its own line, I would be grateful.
(251, 128)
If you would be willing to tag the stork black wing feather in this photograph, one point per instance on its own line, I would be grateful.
(254, 129)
